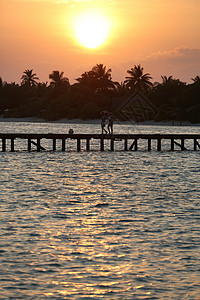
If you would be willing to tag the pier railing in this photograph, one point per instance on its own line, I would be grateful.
(131, 142)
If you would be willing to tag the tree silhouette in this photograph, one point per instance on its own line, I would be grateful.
(87, 80)
(120, 89)
(58, 79)
(95, 91)
(98, 79)
(167, 80)
(138, 80)
(196, 80)
(170, 82)
(29, 78)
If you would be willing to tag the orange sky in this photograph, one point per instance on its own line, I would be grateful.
(161, 35)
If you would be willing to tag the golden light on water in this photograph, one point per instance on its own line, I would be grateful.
(91, 28)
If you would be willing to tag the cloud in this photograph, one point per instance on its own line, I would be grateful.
(177, 53)
(182, 63)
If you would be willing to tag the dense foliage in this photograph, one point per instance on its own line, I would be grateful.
(95, 91)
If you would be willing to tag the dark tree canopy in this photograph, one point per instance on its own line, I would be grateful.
(98, 79)
(95, 91)
(29, 78)
(58, 79)
(138, 80)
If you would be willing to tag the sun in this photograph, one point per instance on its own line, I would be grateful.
(91, 29)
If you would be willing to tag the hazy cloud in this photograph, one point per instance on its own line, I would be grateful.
(182, 63)
(177, 53)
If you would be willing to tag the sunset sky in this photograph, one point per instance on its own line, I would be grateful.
(45, 35)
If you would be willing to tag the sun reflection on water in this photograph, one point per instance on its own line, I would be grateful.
(99, 225)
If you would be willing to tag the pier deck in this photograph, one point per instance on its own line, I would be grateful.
(131, 141)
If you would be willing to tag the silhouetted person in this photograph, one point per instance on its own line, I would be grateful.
(103, 122)
(110, 123)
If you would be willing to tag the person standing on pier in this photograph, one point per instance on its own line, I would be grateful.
(110, 123)
(103, 122)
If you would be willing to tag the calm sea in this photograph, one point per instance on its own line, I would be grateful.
(99, 225)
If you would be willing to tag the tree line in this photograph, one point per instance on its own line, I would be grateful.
(95, 91)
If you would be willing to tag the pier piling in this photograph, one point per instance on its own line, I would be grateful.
(54, 144)
(102, 144)
(63, 145)
(134, 145)
(149, 144)
(3, 145)
(138, 141)
(196, 144)
(172, 144)
(125, 145)
(112, 144)
(159, 144)
(12, 145)
(87, 144)
(78, 144)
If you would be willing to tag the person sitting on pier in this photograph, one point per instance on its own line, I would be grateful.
(103, 122)
(71, 131)
(110, 123)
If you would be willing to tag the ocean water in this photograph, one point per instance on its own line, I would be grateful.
(99, 225)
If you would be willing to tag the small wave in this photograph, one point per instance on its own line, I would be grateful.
(60, 216)
(101, 205)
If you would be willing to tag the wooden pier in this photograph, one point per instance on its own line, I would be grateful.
(131, 142)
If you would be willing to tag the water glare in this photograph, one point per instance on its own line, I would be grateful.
(109, 225)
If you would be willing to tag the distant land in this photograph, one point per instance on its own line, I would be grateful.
(94, 91)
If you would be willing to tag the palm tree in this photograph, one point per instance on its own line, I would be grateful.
(98, 79)
(58, 79)
(167, 80)
(120, 89)
(101, 73)
(29, 78)
(103, 77)
(87, 80)
(138, 80)
(196, 80)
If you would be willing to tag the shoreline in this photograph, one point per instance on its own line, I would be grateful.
(96, 121)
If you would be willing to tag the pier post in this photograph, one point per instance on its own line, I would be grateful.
(63, 144)
(182, 145)
(112, 144)
(3, 145)
(195, 145)
(12, 142)
(78, 145)
(134, 144)
(87, 144)
(172, 144)
(159, 144)
(54, 144)
(38, 145)
(180, 141)
(125, 145)
(29, 145)
(149, 144)
(102, 144)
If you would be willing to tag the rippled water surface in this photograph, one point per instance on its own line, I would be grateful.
(99, 225)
